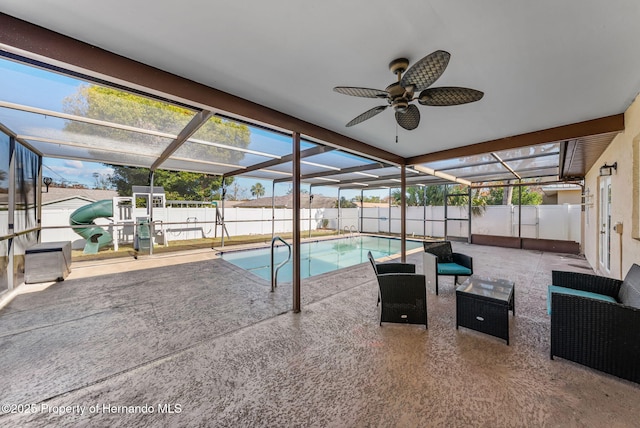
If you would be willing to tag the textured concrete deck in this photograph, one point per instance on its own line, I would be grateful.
(211, 344)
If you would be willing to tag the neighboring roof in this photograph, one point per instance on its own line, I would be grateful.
(57, 194)
(555, 188)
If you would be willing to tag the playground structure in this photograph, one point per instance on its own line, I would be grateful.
(142, 219)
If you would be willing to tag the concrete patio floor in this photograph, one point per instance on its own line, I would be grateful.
(202, 343)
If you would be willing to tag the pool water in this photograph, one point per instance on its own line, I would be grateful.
(317, 257)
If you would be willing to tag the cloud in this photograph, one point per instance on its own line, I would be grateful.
(74, 164)
(78, 172)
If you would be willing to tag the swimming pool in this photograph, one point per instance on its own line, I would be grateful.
(318, 256)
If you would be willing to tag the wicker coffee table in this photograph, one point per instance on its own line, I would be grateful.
(483, 304)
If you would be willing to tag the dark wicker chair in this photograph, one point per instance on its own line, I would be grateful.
(402, 292)
(603, 335)
(445, 262)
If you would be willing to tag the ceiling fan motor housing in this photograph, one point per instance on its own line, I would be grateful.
(418, 78)
(399, 66)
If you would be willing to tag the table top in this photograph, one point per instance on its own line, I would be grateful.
(493, 288)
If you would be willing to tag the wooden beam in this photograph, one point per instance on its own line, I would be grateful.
(566, 132)
(37, 43)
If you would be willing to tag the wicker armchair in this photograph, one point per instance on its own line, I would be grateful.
(439, 259)
(601, 331)
(402, 292)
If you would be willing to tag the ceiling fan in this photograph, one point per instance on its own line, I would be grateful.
(417, 78)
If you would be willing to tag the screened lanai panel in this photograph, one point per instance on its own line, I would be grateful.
(479, 170)
(30, 126)
(339, 159)
(307, 166)
(44, 89)
(227, 132)
(203, 166)
(541, 172)
(267, 174)
(203, 152)
(92, 155)
(4, 189)
(425, 179)
(446, 164)
(540, 162)
(539, 150)
(476, 166)
(365, 175)
(547, 172)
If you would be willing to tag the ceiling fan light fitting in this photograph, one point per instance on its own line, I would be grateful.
(401, 106)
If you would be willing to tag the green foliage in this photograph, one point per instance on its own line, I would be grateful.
(257, 190)
(373, 199)
(529, 196)
(120, 107)
(345, 203)
(178, 185)
(434, 196)
(428, 195)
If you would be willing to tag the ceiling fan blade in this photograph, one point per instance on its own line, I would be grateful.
(361, 92)
(366, 115)
(425, 72)
(410, 119)
(449, 96)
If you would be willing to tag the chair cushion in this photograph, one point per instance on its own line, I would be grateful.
(452, 269)
(574, 292)
(441, 249)
(629, 294)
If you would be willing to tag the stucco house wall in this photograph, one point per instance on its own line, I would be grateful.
(569, 197)
(625, 190)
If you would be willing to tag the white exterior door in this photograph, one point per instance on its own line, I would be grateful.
(605, 225)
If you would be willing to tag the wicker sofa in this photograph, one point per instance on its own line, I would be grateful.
(595, 321)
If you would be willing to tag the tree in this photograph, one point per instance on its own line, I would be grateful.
(236, 192)
(257, 190)
(529, 196)
(102, 181)
(346, 203)
(434, 196)
(113, 105)
(372, 199)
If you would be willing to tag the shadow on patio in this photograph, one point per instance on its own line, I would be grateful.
(212, 342)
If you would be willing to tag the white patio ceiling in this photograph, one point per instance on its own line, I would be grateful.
(541, 65)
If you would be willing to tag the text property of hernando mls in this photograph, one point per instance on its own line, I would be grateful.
(105, 408)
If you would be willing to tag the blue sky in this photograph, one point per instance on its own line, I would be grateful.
(74, 171)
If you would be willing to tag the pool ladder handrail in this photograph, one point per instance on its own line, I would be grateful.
(350, 230)
(274, 271)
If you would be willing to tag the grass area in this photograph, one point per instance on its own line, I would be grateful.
(126, 250)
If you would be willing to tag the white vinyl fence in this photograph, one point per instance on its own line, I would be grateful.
(562, 222)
